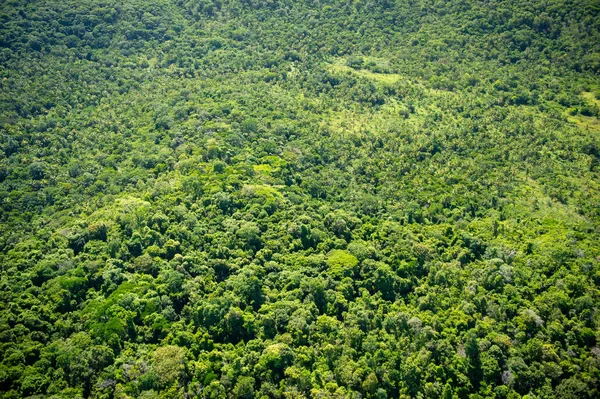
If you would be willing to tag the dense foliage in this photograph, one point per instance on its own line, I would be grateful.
(289, 199)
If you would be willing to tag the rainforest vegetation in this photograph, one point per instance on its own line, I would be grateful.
(300, 199)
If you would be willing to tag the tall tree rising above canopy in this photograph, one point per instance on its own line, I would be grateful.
(290, 199)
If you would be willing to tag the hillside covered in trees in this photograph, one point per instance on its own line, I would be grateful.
(300, 199)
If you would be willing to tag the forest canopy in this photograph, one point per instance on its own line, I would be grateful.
(299, 199)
